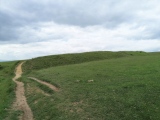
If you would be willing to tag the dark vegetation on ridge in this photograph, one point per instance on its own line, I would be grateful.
(66, 59)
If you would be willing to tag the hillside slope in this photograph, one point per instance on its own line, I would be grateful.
(126, 88)
(65, 59)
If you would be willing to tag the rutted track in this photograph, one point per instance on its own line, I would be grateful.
(21, 102)
(54, 88)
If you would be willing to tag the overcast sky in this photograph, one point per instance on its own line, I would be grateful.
(31, 28)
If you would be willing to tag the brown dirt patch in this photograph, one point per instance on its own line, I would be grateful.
(54, 88)
(21, 102)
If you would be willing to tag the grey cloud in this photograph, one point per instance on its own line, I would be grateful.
(80, 13)
(7, 28)
(154, 30)
(107, 13)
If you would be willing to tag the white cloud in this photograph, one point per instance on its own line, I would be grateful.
(34, 28)
(52, 38)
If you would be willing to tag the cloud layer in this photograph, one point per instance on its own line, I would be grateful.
(34, 28)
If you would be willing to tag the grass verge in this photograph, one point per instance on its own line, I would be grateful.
(7, 87)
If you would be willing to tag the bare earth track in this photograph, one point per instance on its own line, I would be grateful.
(21, 102)
(45, 83)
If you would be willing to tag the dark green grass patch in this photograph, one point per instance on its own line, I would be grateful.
(120, 89)
(7, 87)
(14, 115)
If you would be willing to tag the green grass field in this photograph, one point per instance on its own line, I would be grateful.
(124, 86)
(93, 86)
(7, 87)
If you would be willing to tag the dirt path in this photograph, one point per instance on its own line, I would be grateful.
(21, 102)
(54, 88)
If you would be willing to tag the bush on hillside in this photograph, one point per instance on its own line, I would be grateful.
(1, 67)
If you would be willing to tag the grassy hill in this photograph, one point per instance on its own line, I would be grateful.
(92, 86)
(95, 86)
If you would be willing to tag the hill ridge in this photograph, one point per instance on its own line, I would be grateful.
(65, 59)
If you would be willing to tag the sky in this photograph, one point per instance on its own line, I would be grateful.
(31, 28)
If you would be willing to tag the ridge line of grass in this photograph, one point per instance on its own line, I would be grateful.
(66, 59)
